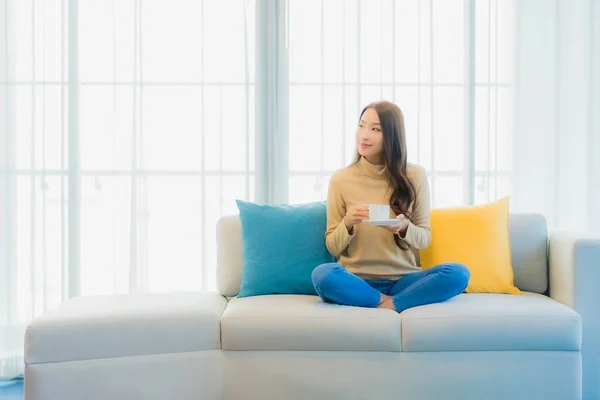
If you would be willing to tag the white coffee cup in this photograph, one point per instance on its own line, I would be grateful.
(379, 212)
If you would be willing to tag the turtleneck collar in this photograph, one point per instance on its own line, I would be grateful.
(371, 170)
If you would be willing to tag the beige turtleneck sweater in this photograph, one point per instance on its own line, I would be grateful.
(370, 251)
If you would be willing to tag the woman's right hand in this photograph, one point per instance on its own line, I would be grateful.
(355, 215)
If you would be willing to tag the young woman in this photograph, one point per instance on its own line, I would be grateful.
(377, 266)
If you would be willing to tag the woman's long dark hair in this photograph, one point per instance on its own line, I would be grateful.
(395, 158)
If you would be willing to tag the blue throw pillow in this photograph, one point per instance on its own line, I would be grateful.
(282, 244)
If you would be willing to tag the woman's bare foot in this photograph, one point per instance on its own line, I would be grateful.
(383, 298)
(388, 303)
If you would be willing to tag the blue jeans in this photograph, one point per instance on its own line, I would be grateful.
(335, 284)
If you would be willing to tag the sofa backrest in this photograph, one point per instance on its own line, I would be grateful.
(528, 239)
(529, 250)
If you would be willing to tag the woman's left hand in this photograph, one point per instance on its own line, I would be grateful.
(400, 227)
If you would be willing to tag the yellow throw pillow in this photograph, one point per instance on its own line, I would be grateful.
(478, 237)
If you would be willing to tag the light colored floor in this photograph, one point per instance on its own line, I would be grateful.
(11, 390)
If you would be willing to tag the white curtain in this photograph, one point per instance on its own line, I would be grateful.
(127, 128)
(447, 64)
(557, 130)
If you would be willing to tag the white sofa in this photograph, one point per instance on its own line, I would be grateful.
(215, 346)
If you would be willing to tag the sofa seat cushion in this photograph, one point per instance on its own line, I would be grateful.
(96, 327)
(492, 322)
(304, 322)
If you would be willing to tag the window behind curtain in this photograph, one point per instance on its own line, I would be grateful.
(456, 103)
(165, 141)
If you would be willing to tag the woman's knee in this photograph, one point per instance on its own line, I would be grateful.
(459, 273)
(323, 272)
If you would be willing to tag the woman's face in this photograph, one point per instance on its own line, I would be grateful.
(369, 137)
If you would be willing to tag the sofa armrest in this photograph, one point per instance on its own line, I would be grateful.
(575, 281)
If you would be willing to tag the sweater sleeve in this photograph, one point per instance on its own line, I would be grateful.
(418, 233)
(337, 237)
